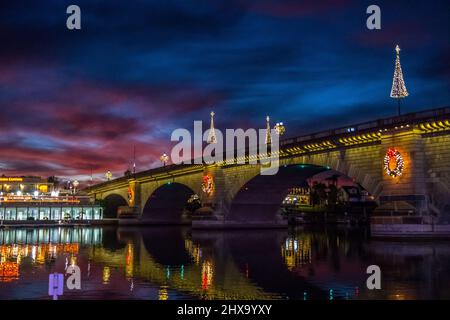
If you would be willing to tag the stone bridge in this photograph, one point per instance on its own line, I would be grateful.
(240, 194)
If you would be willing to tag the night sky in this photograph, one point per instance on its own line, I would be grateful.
(76, 101)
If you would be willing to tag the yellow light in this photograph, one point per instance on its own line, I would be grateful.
(106, 275)
(129, 261)
(207, 275)
(9, 271)
(163, 294)
(11, 179)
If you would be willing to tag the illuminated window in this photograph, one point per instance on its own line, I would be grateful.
(22, 213)
(67, 213)
(76, 213)
(87, 214)
(44, 213)
(33, 214)
(97, 214)
(10, 213)
(56, 214)
(43, 188)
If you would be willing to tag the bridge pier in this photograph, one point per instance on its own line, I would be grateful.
(406, 194)
(133, 209)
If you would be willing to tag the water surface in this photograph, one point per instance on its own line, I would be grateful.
(180, 263)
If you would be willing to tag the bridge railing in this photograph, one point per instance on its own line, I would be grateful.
(410, 118)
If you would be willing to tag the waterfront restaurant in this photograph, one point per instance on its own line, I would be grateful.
(31, 198)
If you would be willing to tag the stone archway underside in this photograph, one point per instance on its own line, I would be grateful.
(260, 199)
(166, 204)
(112, 203)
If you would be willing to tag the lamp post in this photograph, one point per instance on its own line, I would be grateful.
(75, 185)
(279, 128)
(108, 175)
(69, 186)
(164, 159)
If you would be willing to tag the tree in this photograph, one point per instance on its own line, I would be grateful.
(212, 133)
(398, 90)
(332, 197)
(318, 194)
(334, 179)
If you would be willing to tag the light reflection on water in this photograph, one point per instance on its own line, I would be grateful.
(179, 263)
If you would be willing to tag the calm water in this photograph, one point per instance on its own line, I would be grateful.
(180, 263)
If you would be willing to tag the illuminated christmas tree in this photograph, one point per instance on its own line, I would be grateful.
(398, 90)
(212, 133)
(268, 135)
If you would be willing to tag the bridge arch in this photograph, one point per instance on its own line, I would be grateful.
(249, 192)
(166, 203)
(363, 166)
(112, 202)
(260, 198)
(174, 252)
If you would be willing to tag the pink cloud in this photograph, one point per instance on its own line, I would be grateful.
(93, 126)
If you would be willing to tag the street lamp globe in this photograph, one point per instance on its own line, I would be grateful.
(279, 128)
(75, 185)
(164, 159)
(108, 175)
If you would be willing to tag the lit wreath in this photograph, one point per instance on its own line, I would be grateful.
(130, 195)
(394, 154)
(208, 184)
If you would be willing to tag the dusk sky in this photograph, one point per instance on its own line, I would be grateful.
(76, 101)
